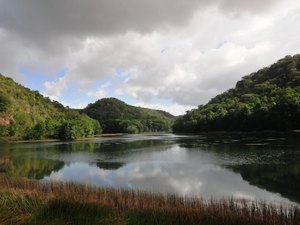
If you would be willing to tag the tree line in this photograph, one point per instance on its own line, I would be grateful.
(26, 114)
(265, 100)
(116, 116)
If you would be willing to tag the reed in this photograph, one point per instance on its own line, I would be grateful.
(24, 201)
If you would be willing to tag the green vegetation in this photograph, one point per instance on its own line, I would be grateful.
(29, 202)
(116, 116)
(26, 114)
(266, 100)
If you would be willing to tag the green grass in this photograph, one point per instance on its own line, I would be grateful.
(29, 202)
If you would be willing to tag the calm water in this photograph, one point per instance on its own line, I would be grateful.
(258, 168)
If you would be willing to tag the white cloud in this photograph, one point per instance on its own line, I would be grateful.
(54, 89)
(98, 94)
(175, 109)
(185, 51)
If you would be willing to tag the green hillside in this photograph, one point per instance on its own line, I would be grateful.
(266, 100)
(116, 116)
(26, 114)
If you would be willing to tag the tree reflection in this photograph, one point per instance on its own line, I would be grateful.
(110, 165)
(283, 179)
(31, 168)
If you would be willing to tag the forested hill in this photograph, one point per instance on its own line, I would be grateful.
(117, 116)
(26, 114)
(268, 99)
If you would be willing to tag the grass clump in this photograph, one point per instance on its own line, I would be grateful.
(24, 201)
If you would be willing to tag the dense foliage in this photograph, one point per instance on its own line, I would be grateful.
(26, 114)
(115, 116)
(266, 100)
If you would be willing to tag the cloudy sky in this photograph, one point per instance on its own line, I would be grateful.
(167, 54)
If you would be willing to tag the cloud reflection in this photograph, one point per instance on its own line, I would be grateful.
(176, 170)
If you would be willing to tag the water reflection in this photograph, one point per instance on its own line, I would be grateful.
(283, 178)
(262, 168)
(110, 165)
(174, 170)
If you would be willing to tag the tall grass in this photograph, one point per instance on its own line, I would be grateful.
(24, 201)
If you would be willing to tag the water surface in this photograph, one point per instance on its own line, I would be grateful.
(257, 168)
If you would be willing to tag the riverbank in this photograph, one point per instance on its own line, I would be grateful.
(11, 140)
(24, 201)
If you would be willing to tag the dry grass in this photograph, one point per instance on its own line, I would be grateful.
(69, 203)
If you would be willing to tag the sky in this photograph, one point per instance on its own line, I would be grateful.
(166, 54)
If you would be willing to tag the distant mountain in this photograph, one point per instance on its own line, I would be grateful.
(117, 116)
(268, 99)
(26, 114)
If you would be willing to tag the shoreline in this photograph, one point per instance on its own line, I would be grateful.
(9, 140)
(263, 132)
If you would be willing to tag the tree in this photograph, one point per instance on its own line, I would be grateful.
(5, 102)
(38, 131)
(266, 100)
